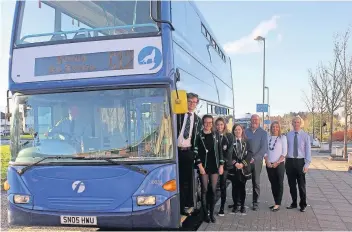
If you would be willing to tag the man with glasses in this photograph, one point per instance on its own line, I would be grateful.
(188, 126)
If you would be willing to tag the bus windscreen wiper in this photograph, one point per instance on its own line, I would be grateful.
(111, 160)
(23, 170)
(108, 159)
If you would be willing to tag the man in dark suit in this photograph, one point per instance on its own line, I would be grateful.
(188, 126)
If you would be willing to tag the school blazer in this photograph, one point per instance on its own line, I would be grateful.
(244, 157)
(226, 145)
(202, 158)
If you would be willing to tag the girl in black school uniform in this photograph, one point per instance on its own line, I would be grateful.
(240, 170)
(226, 140)
(209, 160)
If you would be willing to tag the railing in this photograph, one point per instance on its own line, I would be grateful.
(90, 29)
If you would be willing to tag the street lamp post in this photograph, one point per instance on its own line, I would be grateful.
(267, 98)
(260, 38)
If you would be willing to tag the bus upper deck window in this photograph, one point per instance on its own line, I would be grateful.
(79, 20)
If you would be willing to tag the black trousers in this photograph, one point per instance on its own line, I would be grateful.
(186, 168)
(223, 179)
(256, 171)
(238, 190)
(276, 178)
(295, 175)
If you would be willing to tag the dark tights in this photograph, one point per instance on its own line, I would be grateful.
(209, 180)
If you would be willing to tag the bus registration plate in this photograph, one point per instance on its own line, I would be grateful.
(78, 220)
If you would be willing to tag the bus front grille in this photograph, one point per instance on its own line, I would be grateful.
(80, 203)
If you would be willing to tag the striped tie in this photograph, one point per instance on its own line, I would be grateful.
(239, 150)
(187, 127)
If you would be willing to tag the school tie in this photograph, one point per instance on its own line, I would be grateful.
(187, 127)
(238, 146)
(295, 146)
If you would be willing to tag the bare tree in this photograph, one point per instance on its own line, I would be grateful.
(345, 63)
(350, 108)
(321, 109)
(326, 82)
(311, 103)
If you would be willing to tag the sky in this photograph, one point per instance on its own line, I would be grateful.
(298, 35)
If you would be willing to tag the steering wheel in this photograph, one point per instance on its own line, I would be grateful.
(62, 136)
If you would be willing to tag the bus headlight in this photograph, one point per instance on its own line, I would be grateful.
(146, 200)
(21, 199)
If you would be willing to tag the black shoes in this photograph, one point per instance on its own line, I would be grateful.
(206, 218)
(212, 218)
(209, 218)
(234, 210)
(240, 209)
(292, 206)
(221, 211)
(274, 209)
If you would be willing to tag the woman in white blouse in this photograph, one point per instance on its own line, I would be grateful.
(274, 159)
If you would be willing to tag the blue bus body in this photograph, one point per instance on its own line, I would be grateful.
(118, 166)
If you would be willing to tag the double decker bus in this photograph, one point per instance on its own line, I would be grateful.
(98, 84)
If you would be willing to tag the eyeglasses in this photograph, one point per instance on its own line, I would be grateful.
(208, 123)
(193, 102)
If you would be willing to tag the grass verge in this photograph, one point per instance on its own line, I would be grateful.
(29, 137)
(5, 158)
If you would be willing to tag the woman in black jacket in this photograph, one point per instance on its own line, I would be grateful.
(226, 145)
(209, 160)
(240, 168)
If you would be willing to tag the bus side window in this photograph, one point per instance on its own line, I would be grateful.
(179, 17)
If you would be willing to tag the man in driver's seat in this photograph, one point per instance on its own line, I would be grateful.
(65, 128)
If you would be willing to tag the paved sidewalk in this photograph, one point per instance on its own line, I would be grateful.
(329, 193)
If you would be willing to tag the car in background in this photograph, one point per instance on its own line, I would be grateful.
(5, 132)
(315, 143)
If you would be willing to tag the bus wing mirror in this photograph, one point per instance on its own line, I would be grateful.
(179, 102)
(159, 20)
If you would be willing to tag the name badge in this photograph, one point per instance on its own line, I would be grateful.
(224, 147)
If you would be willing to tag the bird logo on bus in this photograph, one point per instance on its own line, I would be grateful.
(150, 57)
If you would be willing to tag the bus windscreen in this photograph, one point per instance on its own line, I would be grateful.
(131, 124)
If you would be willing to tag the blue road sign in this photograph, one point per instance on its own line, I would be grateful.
(262, 108)
(267, 122)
